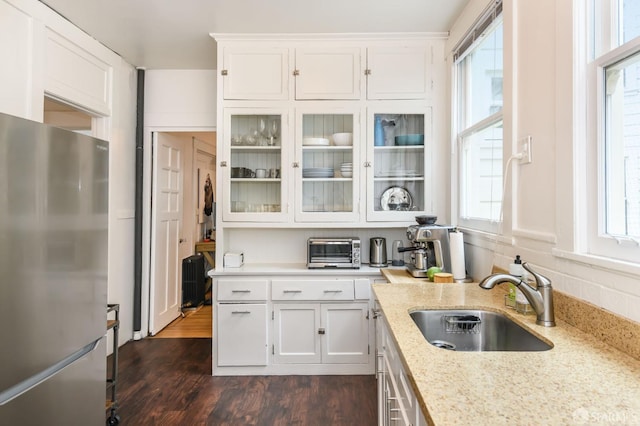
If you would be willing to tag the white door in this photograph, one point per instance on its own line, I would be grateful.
(166, 233)
(296, 337)
(399, 73)
(256, 72)
(242, 334)
(328, 73)
(346, 338)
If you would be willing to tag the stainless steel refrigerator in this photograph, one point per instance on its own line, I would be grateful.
(53, 275)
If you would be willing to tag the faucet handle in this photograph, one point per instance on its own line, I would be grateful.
(541, 280)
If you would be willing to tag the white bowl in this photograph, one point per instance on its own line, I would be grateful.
(346, 174)
(342, 139)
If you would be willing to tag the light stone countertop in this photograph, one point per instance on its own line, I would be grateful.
(580, 381)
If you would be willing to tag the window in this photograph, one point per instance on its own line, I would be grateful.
(479, 71)
(614, 223)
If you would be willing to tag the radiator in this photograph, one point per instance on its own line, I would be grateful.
(193, 281)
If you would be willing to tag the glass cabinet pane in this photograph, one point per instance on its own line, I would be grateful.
(399, 162)
(327, 163)
(256, 163)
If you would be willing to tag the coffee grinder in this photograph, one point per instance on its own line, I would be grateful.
(429, 247)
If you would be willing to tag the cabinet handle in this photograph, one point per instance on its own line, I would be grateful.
(296, 72)
(375, 313)
(321, 331)
(240, 312)
(333, 291)
(240, 291)
(292, 291)
(224, 72)
(223, 164)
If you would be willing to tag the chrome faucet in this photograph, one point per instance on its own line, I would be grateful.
(540, 298)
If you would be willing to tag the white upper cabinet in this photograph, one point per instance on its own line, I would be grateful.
(329, 72)
(255, 72)
(397, 72)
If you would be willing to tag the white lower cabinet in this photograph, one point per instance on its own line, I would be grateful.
(397, 403)
(321, 333)
(242, 334)
(292, 325)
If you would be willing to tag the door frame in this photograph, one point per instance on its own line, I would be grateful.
(147, 178)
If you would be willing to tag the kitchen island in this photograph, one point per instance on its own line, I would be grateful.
(581, 380)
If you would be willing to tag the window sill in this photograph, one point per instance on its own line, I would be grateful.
(600, 262)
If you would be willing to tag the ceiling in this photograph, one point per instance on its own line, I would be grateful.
(170, 34)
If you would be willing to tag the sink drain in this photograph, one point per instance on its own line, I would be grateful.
(444, 345)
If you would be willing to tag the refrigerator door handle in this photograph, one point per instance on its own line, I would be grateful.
(19, 388)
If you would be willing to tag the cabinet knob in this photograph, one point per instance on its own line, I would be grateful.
(224, 72)
(223, 164)
(295, 165)
(321, 331)
(296, 72)
(367, 163)
(367, 72)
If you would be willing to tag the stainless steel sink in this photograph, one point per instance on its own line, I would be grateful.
(475, 331)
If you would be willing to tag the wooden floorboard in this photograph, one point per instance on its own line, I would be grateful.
(196, 323)
(169, 382)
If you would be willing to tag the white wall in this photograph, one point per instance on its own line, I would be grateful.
(540, 71)
(182, 102)
(44, 53)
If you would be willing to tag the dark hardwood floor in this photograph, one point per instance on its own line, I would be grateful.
(169, 382)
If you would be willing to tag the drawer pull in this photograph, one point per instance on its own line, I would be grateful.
(292, 291)
(333, 291)
(240, 291)
(240, 312)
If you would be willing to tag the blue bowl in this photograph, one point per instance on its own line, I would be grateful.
(410, 140)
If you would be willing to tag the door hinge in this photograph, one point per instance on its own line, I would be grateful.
(273, 349)
(368, 349)
(272, 316)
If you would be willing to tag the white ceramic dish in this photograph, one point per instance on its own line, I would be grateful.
(315, 142)
(342, 139)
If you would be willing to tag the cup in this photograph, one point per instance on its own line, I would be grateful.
(272, 173)
(261, 173)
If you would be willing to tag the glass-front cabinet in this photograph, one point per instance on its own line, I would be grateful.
(256, 145)
(398, 171)
(327, 166)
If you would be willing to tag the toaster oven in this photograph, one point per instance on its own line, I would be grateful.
(333, 253)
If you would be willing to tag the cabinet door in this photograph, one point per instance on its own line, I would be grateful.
(328, 73)
(399, 72)
(256, 72)
(253, 174)
(242, 334)
(328, 178)
(295, 334)
(345, 338)
(399, 180)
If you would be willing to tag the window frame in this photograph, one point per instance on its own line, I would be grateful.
(603, 38)
(464, 130)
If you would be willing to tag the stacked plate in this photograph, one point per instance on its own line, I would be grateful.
(317, 172)
(346, 170)
(315, 142)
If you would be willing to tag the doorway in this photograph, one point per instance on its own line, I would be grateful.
(180, 162)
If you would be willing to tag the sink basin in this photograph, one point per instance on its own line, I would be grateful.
(475, 331)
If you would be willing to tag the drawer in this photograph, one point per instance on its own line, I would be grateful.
(341, 289)
(242, 290)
